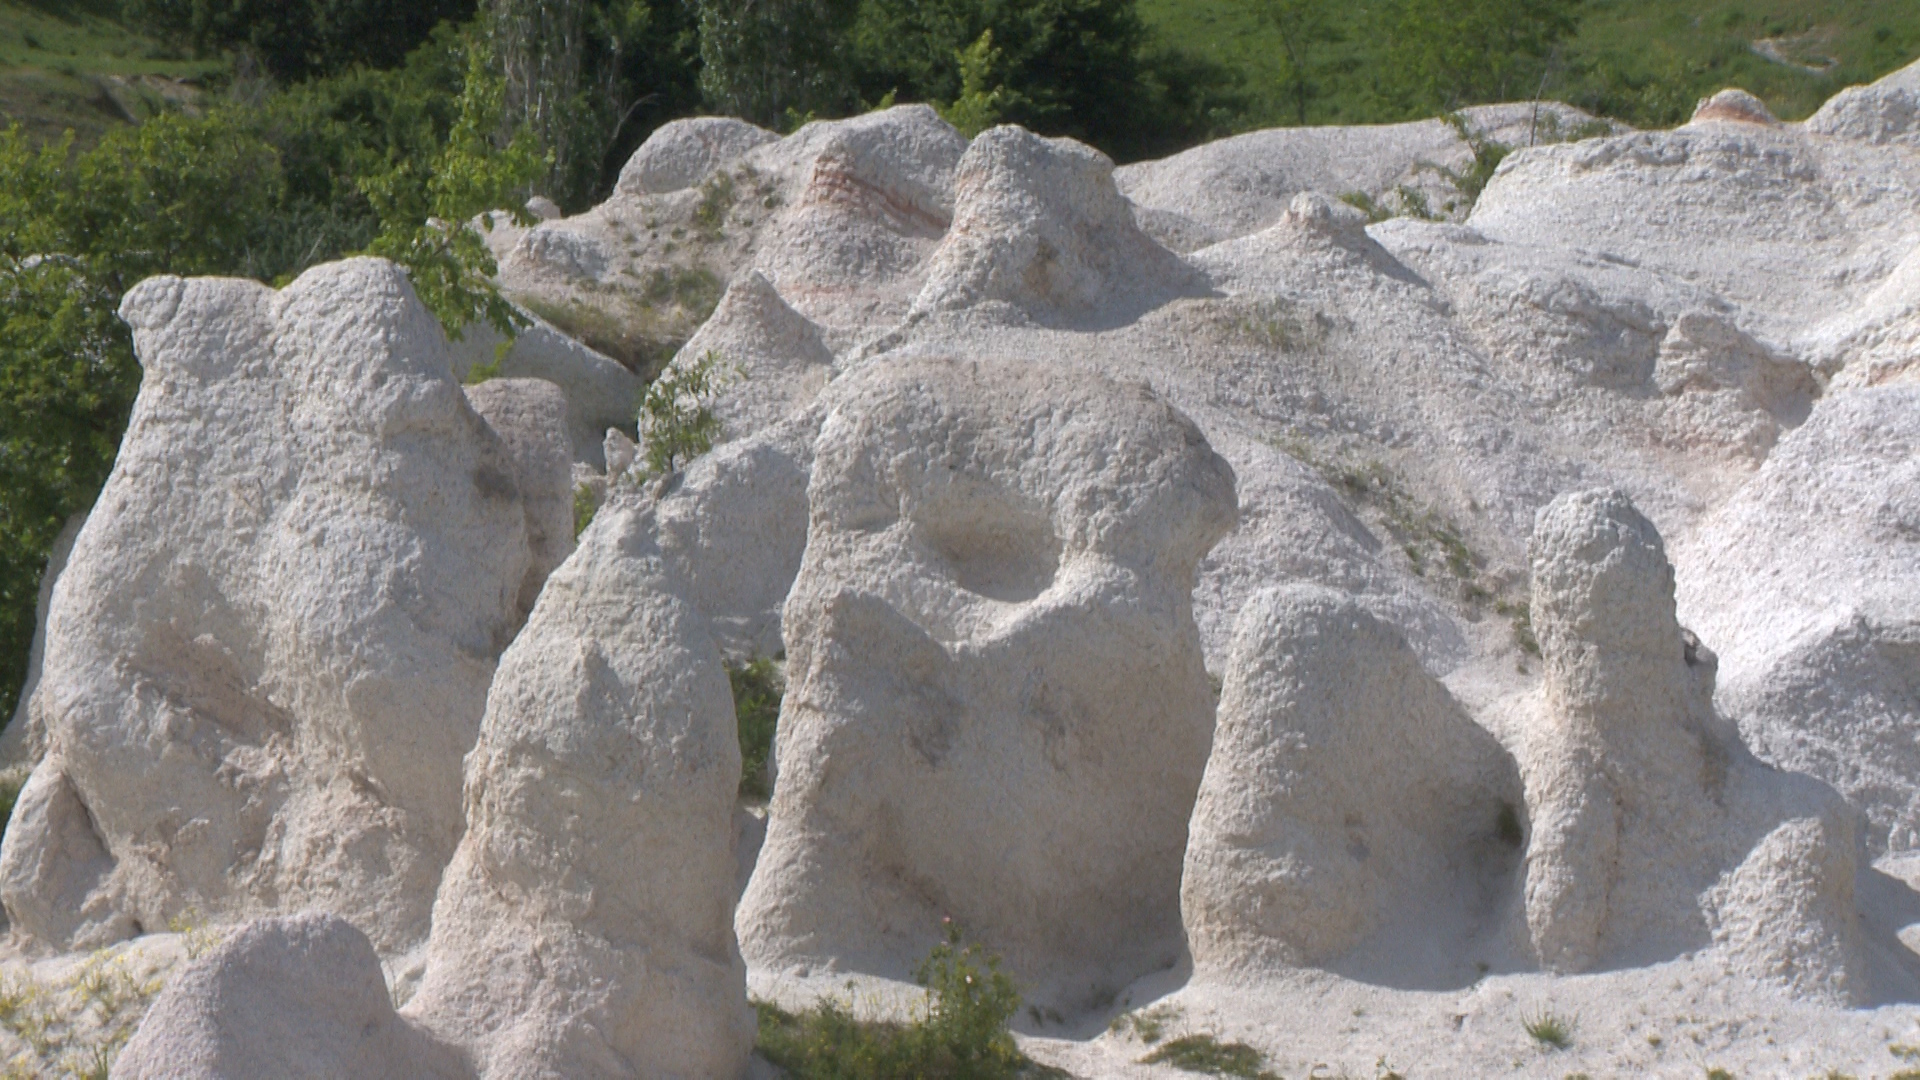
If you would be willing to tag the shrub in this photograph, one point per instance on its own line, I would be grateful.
(1549, 1029)
(960, 1032)
(677, 421)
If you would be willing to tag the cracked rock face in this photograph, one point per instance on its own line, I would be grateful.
(996, 709)
(272, 642)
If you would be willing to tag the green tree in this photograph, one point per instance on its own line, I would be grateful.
(576, 73)
(978, 107)
(298, 39)
(769, 60)
(426, 209)
(1441, 55)
(76, 231)
(1303, 25)
(1068, 67)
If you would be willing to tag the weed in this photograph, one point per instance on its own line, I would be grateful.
(1550, 1029)
(1720, 1074)
(756, 708)
(1366, 204)
(1148, 1025)
(1521, 616)
(585, 505)
(677, 421)
(960, 1030)
(716, 198)
(1205, 1054)
(1280, 325)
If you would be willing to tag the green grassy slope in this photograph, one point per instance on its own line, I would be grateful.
(70, 64)
(1644, 61)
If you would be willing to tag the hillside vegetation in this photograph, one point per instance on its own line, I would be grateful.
(1643, 61)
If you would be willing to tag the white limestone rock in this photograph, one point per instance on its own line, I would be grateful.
(841, 216)
(272, 644)
(1732, 106)
(1883, 112)
(734, 523)
(1346, 792)
(773, 360)
(599, 392)
(1788, 227)
(1237, 186)
(996, 709)
(1808, 577)
(682, 153)
(1040, 227)
(585, 926)
(530, 416)
(300, 997)
(1652, 830)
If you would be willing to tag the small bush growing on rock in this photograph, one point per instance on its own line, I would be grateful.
(677, 421)
(1550, 1029)
(961, 1031)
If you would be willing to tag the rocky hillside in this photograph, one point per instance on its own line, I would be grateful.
(1483, 639)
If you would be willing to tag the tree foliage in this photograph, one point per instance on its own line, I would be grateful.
(771, 60)
(298, 39)
(588, 77)
(1440, 55)
(397, 161)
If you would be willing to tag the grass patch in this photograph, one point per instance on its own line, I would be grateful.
(716, 199)
(1550, 1029)
(641, 329)
(73, 66)
(1205, 1054)
(1147, 1025)
(960, 1030)
(1643, 61)
(757, 691)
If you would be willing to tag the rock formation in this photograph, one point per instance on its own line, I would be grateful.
(996, 710)
(1641, 797)
(272, 644)
(1884, 113)
(300, 997)
(681, 154)
(772, 359)
(530, 416)
(1039, 226)
(1810, 568)
(585, 926)
(1346, 791)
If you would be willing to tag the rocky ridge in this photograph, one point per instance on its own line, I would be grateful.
(1553, 562)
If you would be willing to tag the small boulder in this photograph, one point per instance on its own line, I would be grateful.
(300, 997)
